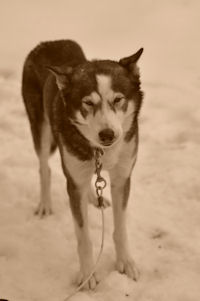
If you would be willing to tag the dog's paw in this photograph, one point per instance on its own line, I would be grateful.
(43, 210)
(127, 266)
(91, 283)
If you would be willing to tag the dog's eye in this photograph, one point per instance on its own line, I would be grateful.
(89, 103)
(118, 100)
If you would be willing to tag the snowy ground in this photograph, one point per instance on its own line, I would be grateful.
(38, 261)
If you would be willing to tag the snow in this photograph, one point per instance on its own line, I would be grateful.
(38, 259)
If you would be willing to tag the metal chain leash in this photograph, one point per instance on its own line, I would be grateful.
(100, 184)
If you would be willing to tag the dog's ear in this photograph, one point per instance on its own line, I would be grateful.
(130, 62)
(62, 75)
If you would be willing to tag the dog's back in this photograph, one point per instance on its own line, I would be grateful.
(35, 73)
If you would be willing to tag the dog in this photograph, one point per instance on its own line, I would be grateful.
(79, 106)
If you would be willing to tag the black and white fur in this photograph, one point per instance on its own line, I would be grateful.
(79, 105)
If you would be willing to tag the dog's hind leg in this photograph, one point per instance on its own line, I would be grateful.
(46, 142)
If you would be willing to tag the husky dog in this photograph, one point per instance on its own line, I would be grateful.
(80, 105)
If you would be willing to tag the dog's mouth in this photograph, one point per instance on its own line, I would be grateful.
(108, 144)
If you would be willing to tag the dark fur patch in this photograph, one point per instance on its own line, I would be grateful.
(35, 75)
(126, 191)
(75, 142)
(73, 192)
(125, 106)
(75, 200)
(32, 96)
(112, 106)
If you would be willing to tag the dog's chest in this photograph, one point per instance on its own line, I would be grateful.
(111, 156)
(81, 171)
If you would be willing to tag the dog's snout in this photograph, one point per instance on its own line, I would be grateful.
(107, 136)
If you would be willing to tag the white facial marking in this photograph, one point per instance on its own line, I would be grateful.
(93, 97)
(104, 85)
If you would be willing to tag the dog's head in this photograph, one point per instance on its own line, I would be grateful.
(102, 98)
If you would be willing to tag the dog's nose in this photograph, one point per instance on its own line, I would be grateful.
(107, 136)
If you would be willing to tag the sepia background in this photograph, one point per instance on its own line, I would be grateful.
(38, 261)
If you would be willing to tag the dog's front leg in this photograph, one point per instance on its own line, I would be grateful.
(79, 202)
(120, 186)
